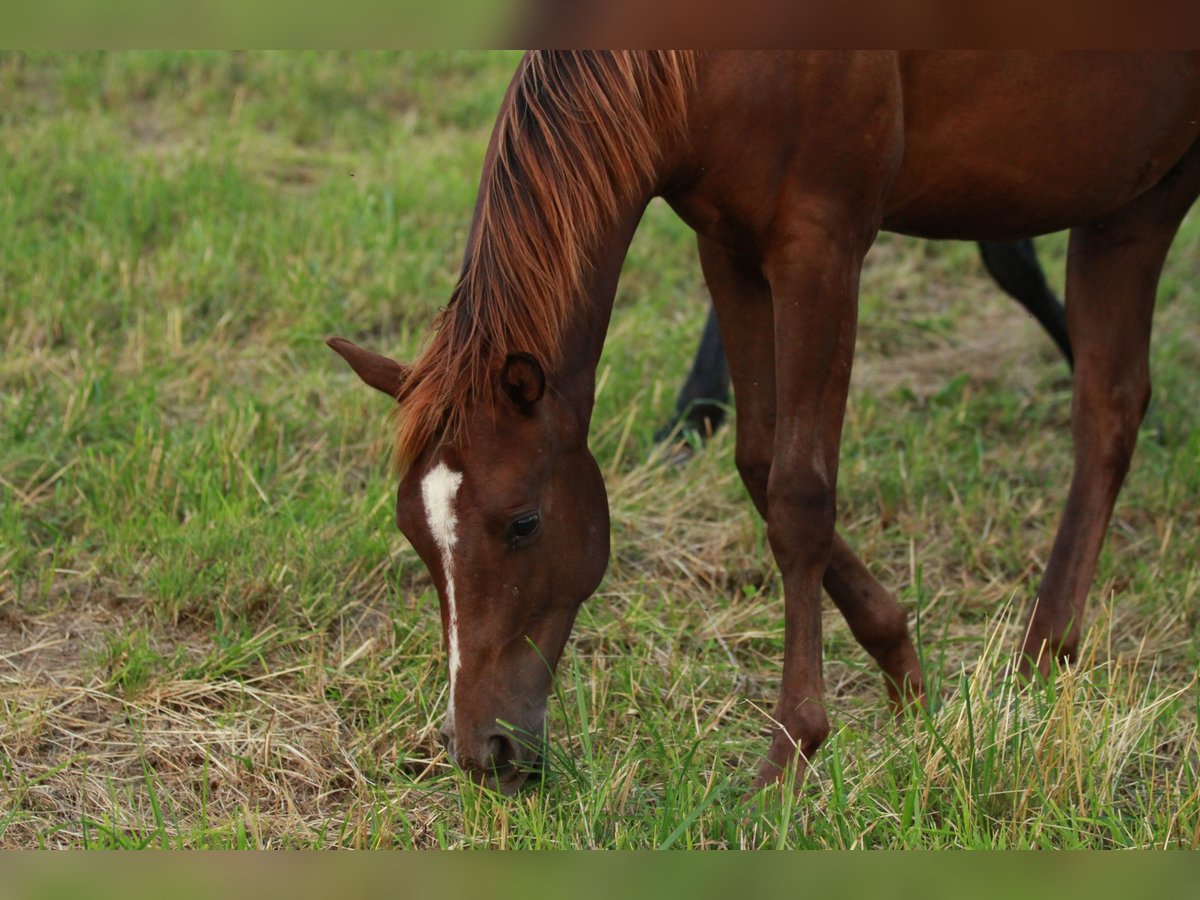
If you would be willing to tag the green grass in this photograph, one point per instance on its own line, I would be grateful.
(211, 634)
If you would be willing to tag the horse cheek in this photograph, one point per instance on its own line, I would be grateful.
(593, 543)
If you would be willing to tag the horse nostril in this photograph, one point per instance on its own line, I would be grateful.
(501, 753)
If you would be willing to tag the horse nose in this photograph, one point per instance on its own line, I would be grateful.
(501, 751)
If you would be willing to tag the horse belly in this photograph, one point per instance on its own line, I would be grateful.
(1000, 146)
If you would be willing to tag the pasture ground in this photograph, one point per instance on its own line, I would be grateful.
(211, 634)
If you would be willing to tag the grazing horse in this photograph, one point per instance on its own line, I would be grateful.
(787, 165)
(702, 401)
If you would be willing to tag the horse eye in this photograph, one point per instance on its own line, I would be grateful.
(523, 527)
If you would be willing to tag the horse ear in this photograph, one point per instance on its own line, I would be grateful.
(523, 380)
(379, 372)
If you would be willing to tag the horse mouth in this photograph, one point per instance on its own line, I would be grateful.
(509, 780)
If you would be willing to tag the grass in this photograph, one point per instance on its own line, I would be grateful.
(211, 634)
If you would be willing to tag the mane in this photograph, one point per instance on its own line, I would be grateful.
(580, 132)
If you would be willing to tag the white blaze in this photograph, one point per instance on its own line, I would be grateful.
(438, 489)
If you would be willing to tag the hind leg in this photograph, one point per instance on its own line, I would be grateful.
(1113, 268)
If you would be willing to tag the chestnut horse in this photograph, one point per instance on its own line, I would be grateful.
(787, 165)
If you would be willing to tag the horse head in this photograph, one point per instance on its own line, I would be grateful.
(510, 516)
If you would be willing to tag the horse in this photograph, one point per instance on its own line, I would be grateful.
(703, 399)
(786, 165)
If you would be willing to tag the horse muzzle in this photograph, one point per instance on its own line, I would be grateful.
(502, 759)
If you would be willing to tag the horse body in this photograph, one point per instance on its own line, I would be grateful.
(983, 146)
(991, 153)
(786, 165)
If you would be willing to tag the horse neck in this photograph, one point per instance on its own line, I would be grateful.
(583, 340)
(561, 230)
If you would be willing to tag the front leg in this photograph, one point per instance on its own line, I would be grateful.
(742, 299)
(814, 288)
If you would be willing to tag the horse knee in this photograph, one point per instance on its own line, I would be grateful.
(808, 498)
(884, 629)
(1128, 401)
(803, 511)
